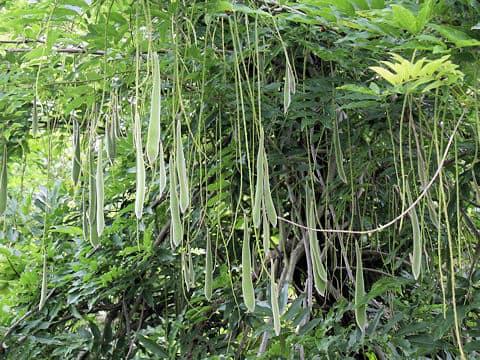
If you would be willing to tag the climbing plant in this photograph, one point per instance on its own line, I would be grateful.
(239, 179)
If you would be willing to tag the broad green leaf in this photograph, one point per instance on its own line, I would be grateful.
(405, 19)
(458, 37)
(152, 347)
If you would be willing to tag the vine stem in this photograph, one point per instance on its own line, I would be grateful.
(404, 213)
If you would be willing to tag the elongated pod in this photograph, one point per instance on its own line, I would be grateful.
(153, 135)
(34, 117)
(318, 269)
(274, 303)
(266, 234)
(337, 146)
(247, 282)
(417, 238)
(111, 140)
(84, 215)
(140, 191)
(259, 186)
(92, 200)
(76, 162)
(3, 181)
(100, 191)
(208, 268)
(176, 234)
(181, 170)
(267, 194)
(288, 87)
(43, 290)
(360, 309)
(163, 172)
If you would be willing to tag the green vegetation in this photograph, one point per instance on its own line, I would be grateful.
(239, 179)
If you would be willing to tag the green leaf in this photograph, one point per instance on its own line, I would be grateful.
(453, 34)
(152, 346)
(405, 19)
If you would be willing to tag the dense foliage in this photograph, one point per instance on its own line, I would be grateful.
(250, 179)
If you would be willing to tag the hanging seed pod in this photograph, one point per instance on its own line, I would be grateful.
(247, 282)
(184, 271)
(190, 269)
(257, 205)
(338, 153)
(115, 117)
(34, 117)
(110, 141)
(140, 191)
(92, 200)
(163, 172)
(288, 87)
(181, 170)
(176, 234)
(100, 191)
(274, 303)
(267, 193)
(3, 181)
(266, 234)
(76, 162)
(208, 269)
(318, 269)
(187, 270)
(84, 215)
(417, 238)
(153, 135)
(360, 310)
(43, 290)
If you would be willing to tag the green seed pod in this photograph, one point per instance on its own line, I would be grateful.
(3, 181)
(92, 200)
(360, 310)
(181, 170)
(266, 234)
(76, 162)
(274, 304)
(153, 135)
(43, 290)
(163, 172)
(100, 191)
(338, 153)
(140, 165)
(247, 282)
(84, 215)
(34, 117)
(176, 233)
(318, 269)
(288, 87)
(267, 193)
(417, 238)
(111, 141)
(257, 205)
(140, 193)
(208, 268)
